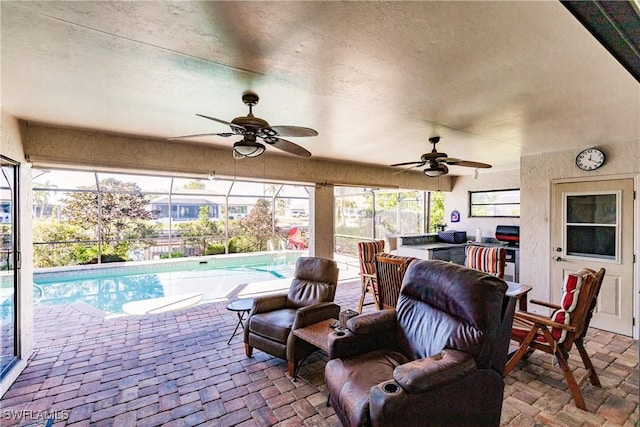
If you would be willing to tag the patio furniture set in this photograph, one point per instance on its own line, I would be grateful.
(442, 334)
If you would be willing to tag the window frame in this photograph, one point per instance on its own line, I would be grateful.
(472, 205)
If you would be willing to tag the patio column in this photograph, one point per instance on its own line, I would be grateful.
(321, 221)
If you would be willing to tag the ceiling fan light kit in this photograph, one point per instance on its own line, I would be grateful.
(252, 127)
(436, 171)
(248, 148)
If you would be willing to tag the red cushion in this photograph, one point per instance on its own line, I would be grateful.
(560, 316)
(570, 292)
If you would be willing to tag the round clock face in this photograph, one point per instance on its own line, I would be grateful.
(590, 159)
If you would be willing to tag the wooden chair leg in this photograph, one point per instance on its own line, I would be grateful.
(376, 300)
(593, 377)
(248, 350)
(522, 350)
(292, 367)
(568, 375)
(362, 294)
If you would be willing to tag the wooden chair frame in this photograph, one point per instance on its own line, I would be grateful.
(367, 252)
(540, 326)
(390, 270)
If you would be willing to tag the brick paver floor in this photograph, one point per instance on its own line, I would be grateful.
(176, 369)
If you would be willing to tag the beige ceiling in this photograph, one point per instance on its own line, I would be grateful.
(497, 80)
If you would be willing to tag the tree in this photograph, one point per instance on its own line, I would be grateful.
(119, 211)
(257, 225)
(194, 185)
(123, 214)
(41, 199)
(201, 233)
(61, 254)
(437, 210)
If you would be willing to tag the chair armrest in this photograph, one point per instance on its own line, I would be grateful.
(364, 333)
(429, 373)
(542, 320)
(268, 303)
(371, 323)
(545, 304)
(315, 313)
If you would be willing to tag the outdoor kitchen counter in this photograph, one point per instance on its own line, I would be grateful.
(444, 251)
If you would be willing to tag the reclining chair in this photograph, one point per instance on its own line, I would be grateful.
(437, 359)
(310, 300)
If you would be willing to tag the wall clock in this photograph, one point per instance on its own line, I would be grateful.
(590, 159)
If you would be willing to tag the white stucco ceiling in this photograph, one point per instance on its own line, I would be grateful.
(497, 80)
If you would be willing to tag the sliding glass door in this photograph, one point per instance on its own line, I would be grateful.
(9, 264)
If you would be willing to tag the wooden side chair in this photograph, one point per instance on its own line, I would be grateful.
(390, 270)
(366, 256)
(487, 259)
(567, 326)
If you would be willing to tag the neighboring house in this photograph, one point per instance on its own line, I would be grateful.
(187, 208)
(183, 208)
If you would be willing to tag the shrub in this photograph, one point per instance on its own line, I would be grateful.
(214, 249)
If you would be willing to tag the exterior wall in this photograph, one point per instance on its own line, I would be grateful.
(537, 174)
(458, 199)
(11, 147)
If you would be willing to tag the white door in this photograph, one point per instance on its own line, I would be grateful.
(593, 227)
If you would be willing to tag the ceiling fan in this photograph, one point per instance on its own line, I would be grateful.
(251, 128)
(438, 161)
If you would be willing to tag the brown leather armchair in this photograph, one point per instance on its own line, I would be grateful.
(438, 359)
(309, 300)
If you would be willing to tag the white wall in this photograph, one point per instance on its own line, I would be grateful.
(458, 199)
(537, 173)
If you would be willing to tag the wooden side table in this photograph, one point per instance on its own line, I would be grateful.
(519, 292)
(316, 335)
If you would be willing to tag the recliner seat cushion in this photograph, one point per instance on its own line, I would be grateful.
(274, 324)
(352, 379)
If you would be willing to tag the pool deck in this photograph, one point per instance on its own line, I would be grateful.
(176, 369)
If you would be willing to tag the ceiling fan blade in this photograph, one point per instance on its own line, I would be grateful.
(233, 126)
(288, 146)
(469, 164)
(296, 131)
(409, 168)
(417, 164)
(225, 134)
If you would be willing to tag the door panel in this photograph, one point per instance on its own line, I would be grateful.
(593, 227)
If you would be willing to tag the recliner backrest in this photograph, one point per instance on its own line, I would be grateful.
(444, 305)
(315, 281)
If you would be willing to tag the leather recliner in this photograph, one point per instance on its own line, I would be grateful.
(438, 359)
(309, 300)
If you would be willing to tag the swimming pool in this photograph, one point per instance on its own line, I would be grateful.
(109, 287)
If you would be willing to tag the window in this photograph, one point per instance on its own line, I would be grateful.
(495, 203)
(592, 225)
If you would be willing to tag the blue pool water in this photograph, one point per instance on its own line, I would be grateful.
(109, 287)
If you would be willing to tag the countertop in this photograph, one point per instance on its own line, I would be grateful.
(435, 246)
